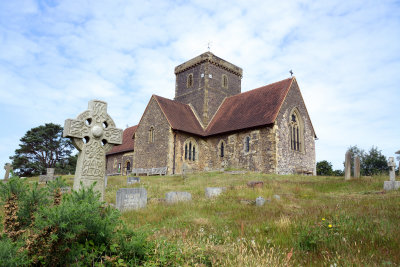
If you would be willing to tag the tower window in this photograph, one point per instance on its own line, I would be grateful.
(247, 144)
(224, 81)
(189, 82)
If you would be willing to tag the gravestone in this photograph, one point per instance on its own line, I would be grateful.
(347, 166)
(133, 180)
(356, 167)
(255, 184)
(105, 181)
(49, 176)
(260, 201)
(131, 198)
(65, 189)
(277, 197)
(173, 197)
(93, 133)
(214, 191)
(8, 167)
(392, 184)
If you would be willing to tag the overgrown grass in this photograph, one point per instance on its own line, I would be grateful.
(318, 221)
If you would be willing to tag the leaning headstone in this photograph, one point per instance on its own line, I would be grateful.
(93, 133)
(347, 166)
(392, 184)
(255, 184)
(49, 176)
(173, 197)
(133, 180)
(8, 168)
(356, 167)
(131, 198)
(260, 201)
(214, 191)
(277, 197)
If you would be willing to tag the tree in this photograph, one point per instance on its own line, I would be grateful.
(40, 148)
(324, 168)
(374, 162)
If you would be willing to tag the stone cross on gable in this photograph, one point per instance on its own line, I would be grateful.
(93, 133)
(8, 167)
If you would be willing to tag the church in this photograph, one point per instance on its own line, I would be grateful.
(211, 125)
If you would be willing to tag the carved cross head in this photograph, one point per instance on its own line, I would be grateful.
(8, 167)
(391, 162)
(93, 126)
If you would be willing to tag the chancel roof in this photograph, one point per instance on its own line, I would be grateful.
(246, 110)
(127, 142)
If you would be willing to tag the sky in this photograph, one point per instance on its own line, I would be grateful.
(55, 56)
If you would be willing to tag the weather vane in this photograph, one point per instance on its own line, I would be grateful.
(291, 73)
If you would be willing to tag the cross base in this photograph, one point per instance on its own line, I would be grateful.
(391, 185)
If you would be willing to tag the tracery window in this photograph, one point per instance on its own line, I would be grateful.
(224, 81)
(190, 150)
(296, 131)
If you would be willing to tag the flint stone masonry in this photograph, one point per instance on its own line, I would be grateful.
(131, 198)
(8, 168)
(133, 180)
(174, 197)
(93, 133)
(260, 201)
(347, 166)
(356, 167)
(48, 177)
(214, 191)
(392, 184)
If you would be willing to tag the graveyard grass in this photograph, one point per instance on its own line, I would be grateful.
(318, 221)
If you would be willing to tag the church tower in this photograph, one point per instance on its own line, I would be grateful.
(204, 82)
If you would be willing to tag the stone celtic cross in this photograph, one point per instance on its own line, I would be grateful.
(93, 133)
(8, 167)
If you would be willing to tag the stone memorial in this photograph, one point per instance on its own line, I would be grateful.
(65, 189)
(347, 166)
(356, 167)
(174, 197)
(49, 176)
(392, 184)
(260, 201)
(93, 134)
(131, 198)
(105, 181)
(8, 168)
(277, 197)
(133, 180)
(214, 191)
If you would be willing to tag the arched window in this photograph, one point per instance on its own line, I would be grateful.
(151, 135)
(190, 150)
(189, 82)
(128, 166)
(247, 144)
(221, 153)
(119, 167)
(224, 81)
(296, 131)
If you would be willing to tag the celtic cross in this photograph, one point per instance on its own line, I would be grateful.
(8, 168)
(93, 133)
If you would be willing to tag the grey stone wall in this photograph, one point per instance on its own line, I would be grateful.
(152, 154)
(113, 160)
(288, 160)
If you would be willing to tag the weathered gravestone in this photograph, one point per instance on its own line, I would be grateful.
(49, 176)
(93, 133)
(8, 168)
(131, 198)
(392, 184)
(133, 180)
(356, 167)
(347, 166)
(260, 201)
(105, 181)
(173, 197)
(214, 191)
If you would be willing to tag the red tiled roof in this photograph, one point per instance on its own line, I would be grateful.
(180, 116)
(127, 142)
(250, 109)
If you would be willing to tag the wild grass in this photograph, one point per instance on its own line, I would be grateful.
(318, 221)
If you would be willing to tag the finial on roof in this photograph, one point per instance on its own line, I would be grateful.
(208, 46)
(291, 73)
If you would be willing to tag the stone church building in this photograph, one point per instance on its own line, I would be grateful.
(211, 125)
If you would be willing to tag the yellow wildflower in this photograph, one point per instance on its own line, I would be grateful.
(323, 219)
(330, 226)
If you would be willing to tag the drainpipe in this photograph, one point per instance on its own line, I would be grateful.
(173, 163)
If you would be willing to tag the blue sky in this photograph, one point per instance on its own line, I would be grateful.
(55, 56)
